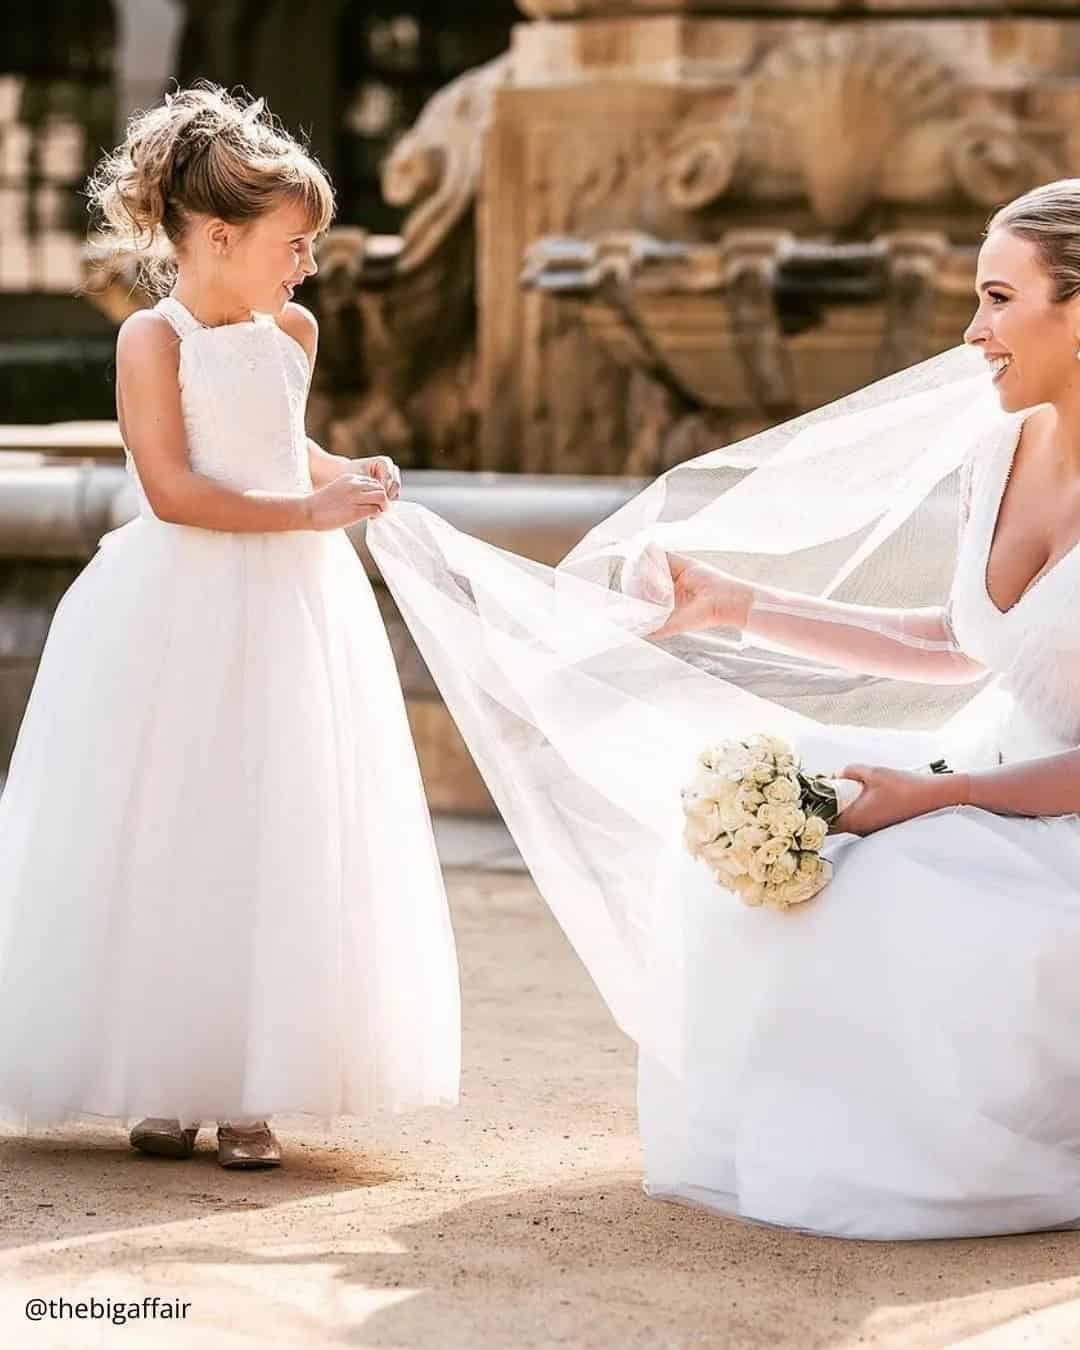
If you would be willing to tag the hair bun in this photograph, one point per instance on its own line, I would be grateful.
(202, 151)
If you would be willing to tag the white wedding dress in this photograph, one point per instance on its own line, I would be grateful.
(219, 892)
(899, 1058)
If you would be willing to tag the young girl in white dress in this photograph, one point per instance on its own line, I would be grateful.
(219, 894)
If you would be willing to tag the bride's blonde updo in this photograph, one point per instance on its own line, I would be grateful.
(1049, 216)
(202, 152)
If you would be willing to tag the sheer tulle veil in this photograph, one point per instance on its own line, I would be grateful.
(585, 730)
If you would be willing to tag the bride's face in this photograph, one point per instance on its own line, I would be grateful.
(1031, 342)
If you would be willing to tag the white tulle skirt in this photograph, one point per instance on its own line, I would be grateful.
(219, 893)
(900, 1058)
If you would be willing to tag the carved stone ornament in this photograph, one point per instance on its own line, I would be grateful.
(994, 158)
(435, 167)
(758, 326)
(831, 108)
(700, 163)
(399, 313)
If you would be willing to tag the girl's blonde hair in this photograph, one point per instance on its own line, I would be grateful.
(201, 152)
(1049, 216)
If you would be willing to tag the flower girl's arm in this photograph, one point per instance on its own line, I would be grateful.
(151, 422)
(1047, 786)
(325, 467)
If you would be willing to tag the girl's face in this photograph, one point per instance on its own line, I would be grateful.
(1030, 341)
(270, 256)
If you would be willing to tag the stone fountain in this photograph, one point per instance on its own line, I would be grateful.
(657, 225)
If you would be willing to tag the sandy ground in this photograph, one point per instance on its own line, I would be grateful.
(516, 1221)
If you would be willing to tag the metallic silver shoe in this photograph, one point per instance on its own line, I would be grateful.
(248, 1145)
(164, 1138)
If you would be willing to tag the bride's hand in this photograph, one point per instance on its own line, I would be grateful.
(890, 796)
(705, 597)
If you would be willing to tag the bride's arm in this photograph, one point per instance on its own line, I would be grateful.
(1047, 786)
(906, 644)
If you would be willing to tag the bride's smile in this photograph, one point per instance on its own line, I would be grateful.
(1027, 325)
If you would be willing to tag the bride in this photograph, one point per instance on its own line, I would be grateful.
(899, 1058)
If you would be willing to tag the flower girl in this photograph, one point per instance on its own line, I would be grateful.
(219, 894)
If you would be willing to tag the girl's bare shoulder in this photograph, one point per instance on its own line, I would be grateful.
(146, 337)
(301, 325)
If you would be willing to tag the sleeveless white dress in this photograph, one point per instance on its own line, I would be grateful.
(899, 1058)
(219, 892)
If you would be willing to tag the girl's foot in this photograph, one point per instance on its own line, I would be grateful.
(165, 1138)
(253, 1145)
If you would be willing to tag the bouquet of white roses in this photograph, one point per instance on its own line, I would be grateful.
(759, 822)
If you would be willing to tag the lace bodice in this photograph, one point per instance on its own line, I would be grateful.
(1034, 646)
(243, 390)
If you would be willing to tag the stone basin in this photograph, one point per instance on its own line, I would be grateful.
(761, 325)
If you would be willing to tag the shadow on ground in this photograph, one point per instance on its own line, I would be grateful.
(96, 1184)
(601, 1265)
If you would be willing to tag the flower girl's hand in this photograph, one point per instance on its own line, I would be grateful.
(383, 469)
(705, 597)
(347, 499)
(890, 796)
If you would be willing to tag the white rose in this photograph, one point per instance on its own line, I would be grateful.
(729, 757)
(783, 791)
(733, 817)
(788, 820)
(782, 870)
(781, 820)
(764, 857)
(749, 891)
(746, 841)
(761, 773)
(748, 796)
(694, 804)
(721, 858)
(715, 786)
(813, 833)
(801, 887)
(764, 816)
(773, 744)
(811, 865)
(814, 875)
(702, 827)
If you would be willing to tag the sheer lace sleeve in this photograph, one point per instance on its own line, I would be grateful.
(904, 644)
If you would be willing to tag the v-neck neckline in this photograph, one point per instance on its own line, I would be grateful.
(995, 521)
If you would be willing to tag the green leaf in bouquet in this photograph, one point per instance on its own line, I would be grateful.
(818, 797)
